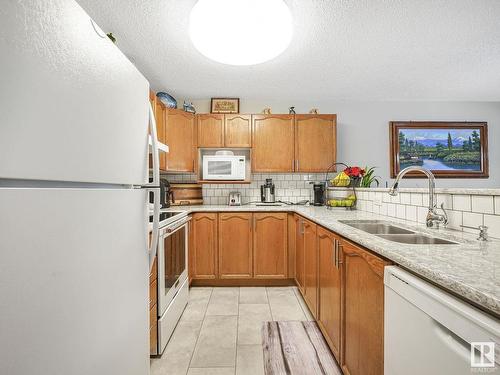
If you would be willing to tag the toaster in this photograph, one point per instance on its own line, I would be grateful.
(234, 198)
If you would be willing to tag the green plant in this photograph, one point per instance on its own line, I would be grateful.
(369, 178)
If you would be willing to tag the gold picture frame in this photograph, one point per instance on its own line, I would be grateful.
(225, 105)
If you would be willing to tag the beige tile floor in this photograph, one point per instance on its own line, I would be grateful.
(219, 331)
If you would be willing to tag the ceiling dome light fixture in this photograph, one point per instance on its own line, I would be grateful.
(240, 32)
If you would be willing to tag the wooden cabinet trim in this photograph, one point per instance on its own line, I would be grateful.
(376, 264)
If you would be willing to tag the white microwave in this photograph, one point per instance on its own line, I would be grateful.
(223, 167)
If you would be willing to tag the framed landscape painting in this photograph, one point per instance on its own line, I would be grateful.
(448, 149)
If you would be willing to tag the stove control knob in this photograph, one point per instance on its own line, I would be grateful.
(169, 230)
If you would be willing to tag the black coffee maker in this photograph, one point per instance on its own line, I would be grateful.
(166, 193)
(319, 193)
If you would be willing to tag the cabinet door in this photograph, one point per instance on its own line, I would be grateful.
(363, 301)
(204, 246)
(270, 245)
(299, 252)
(329, 314)
(311, 267)
(273, 143)
(180, 138)
(315, 142)
(238, 131)
(210, 130)
(160, 129)
(235, 245)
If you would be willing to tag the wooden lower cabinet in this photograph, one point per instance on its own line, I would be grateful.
(270, 251)
(310, 267)
(329, 314)
(235, 245)
(204, 244)
(299, 252)
(153, 306)
(363, 311)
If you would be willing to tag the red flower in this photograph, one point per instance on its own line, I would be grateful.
(354, 171)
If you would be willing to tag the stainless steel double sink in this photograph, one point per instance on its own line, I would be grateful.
(391, 232)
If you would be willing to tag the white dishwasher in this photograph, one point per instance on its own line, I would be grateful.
(428, 331)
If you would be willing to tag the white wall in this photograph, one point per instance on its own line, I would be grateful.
(363, 129)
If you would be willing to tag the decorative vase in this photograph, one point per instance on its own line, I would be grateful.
(167, 99)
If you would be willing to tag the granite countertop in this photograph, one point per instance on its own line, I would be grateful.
(470, 269)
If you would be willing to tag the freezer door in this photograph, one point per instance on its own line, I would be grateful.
(74, 282)
(72, 106)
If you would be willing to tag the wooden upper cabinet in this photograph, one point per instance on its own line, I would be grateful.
(363, 301)
(315, 142)
(181, 140)
(159, 110)
(270, 245)
(273, 143)
(210, 130)
(238, 130)
(203, 247)
(299, 252)
(329, 314)
(311, 267)
(235, 245)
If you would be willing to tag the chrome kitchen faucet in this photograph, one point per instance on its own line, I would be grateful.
(433, 217)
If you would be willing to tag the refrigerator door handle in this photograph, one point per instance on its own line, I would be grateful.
(156, 226)
(156, 150)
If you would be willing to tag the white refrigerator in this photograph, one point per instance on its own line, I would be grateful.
(74, 185)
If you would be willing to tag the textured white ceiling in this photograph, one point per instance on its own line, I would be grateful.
(341, 50)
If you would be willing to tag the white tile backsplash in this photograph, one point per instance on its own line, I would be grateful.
(411, 213)
(445, 199)
(471, 210)
(289, 187)
(462, 202)
(493, 224)
(455, 219)
(483, 203)
(405, 198)
(472, 219)
(422, 214)
(416, 199)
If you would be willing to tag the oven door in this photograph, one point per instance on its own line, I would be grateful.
(172, 262)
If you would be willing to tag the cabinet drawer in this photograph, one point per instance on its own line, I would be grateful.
(152, 293)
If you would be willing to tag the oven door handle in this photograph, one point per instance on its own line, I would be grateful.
(171, 230)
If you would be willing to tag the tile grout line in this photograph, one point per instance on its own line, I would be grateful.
(199, 333)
